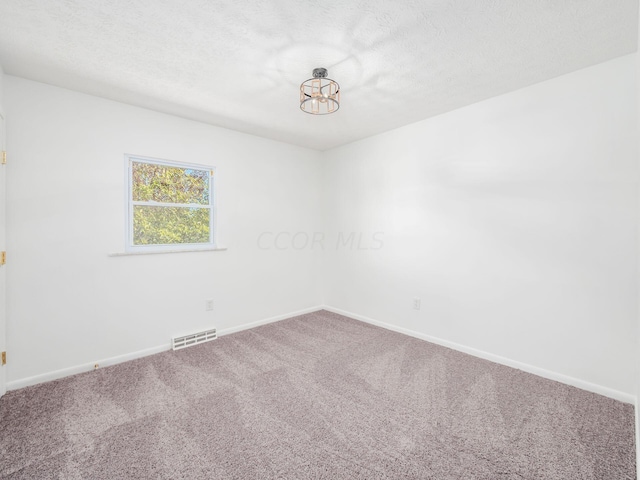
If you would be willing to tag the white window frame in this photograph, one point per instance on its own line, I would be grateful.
(171, 247)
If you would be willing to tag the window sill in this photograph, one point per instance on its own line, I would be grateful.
(161, 252)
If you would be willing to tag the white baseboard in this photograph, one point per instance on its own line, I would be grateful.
(541, 372)
(87, 367)
(277, 318)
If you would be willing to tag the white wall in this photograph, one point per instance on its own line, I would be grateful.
(3, 269)
(515, 220)
(69, 302)
(637, 403)
(1, 85)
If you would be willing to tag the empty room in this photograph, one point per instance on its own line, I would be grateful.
(319, 240)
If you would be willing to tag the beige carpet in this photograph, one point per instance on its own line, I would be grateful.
(315, 397)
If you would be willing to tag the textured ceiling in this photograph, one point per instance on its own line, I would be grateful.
(239, 64)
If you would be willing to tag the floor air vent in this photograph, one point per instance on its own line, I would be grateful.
(194, 339)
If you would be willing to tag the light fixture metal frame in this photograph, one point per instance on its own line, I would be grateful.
(320, 94)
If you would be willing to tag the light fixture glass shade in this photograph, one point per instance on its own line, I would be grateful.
(319, 95)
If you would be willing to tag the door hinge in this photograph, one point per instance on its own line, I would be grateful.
(4, 358)
(4, 157)
(3, 258)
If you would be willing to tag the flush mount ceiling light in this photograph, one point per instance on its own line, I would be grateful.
(319, 95)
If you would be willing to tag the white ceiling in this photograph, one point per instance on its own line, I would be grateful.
(239, 63)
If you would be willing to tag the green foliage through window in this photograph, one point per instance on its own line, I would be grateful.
(162, 183)
(170, 205)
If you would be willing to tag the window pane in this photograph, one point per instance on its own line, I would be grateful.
(161, 183)
(170, 225)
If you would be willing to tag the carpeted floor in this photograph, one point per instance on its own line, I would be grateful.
(318, 396)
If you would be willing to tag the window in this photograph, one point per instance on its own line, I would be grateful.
(170, 205)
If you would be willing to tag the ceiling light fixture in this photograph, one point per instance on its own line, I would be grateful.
(319, 95)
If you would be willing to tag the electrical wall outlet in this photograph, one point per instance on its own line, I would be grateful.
(416, 303)
(209, 305)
